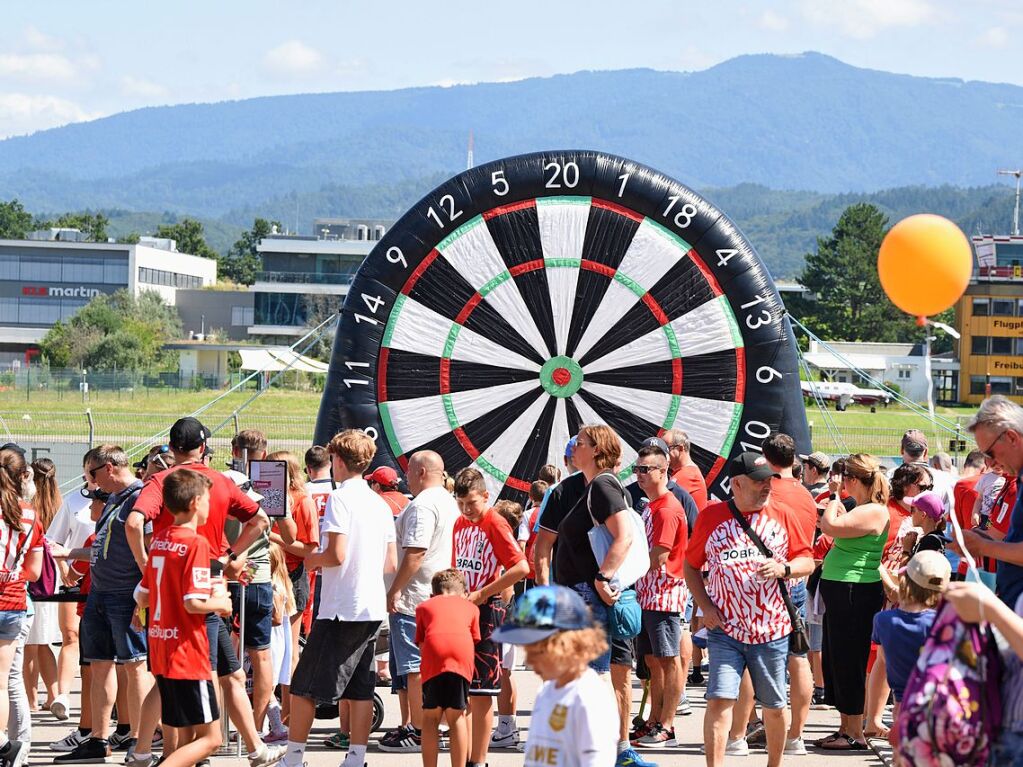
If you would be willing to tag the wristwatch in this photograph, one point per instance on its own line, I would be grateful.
(602, 578)
(231, 556)
(788, 571)
(833, 497)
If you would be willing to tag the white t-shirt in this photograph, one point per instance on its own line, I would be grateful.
(988, 487)
(354, 591)
(575, 725)
(72, 523)
(426, 523)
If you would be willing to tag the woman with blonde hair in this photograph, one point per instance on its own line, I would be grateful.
(45, 632)
(852, 590)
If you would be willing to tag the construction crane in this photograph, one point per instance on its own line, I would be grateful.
(1015, 214)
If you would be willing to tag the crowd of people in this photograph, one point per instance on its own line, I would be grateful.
(815, 585)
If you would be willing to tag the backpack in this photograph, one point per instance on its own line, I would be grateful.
(47, 583)
(951, 709)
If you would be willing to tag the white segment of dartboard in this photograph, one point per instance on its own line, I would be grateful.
(421, 330)
(475, 256)
(494, 485)
(652, 406)
(562, 235)
(702, 330)
(649, 257)
(706, 421)
(589, 415)
(419, 420)
(505, 450)
(559, 435)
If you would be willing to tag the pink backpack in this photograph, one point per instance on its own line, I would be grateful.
(951, 710)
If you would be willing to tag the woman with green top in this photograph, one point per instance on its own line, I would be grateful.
(851, 588)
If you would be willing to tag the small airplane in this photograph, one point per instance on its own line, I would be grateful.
(844, 393)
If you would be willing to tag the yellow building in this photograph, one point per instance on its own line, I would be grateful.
(990, 318)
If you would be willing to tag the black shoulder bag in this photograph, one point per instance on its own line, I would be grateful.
(799, 642)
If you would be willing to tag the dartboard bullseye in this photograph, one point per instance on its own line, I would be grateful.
(530, 296)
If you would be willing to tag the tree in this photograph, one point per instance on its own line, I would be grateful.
(92, 224)
(190, 237)
(118, 331)
(243, 261)
(15, 221)
(849, 303)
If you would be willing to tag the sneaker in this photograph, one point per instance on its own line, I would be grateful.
(89, 751)
(158, 740)
(630, 758)
(685, 708)
(818, 703)
(267, 755)
(134, 761)
(639, 732)
(119, 742)
(696, 677)
(279, 735)
(737, 747)
(60, 706)
(338, 740)
(17, 754)
(658, 737)
(507, 740)
(69, 742)
(795, 747)
(404, 740)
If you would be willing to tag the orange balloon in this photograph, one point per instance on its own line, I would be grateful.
(925, 263)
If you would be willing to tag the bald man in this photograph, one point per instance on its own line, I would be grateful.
(425, 533)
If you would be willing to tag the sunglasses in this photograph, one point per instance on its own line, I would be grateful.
(645, 469)
(987, 453)
(92, 472)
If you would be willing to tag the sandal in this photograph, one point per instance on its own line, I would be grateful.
(828, 738)
(883, 733)
(843, 743)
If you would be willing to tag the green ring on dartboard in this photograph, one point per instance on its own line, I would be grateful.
(561, 376)
(532, 295)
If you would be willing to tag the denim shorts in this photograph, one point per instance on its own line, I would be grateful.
(687, 614)
(620, 652)
(816, 631)
(1007, 751)
(259, 605)
(661, 634)
(797, 593)
(766, 663)
(106, 633)
(10, 624)
(404, 650)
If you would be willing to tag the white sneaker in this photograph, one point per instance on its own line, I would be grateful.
(737, 747)
(795, 747)
(508, 740)
(69, 742)
(59, 707)
(269, 755)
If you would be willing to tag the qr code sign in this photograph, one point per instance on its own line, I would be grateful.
(273, 501)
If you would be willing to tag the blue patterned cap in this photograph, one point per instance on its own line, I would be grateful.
(542, 611)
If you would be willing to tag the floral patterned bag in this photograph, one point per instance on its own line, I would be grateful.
(951, 709)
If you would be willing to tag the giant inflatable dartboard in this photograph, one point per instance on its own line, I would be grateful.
(529, 296)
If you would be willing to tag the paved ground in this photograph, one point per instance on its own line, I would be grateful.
(689, 730)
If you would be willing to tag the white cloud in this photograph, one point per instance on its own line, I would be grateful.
(862, 19)
(995, 37)
(292, 58)
(25, 113)
(773, 22)
(40, 41)
(142, 88)
(49, 67)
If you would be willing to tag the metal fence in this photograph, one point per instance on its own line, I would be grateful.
(63, 437)
(885, 441)
(40, 381)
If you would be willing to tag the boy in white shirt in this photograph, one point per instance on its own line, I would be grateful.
(575, 716)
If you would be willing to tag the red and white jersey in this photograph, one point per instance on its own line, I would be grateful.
(482, 548)
(16, 545)
(900, 522)
(664, 590)
(178, 569)
(319, 490)
(752, 607)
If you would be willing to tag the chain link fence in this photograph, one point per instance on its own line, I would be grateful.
(886, 441)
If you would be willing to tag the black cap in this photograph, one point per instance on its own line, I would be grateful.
(656, 442)
(752, 465)
(15, 447)
(187, 434)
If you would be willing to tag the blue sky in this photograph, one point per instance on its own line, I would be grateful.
(67, 60)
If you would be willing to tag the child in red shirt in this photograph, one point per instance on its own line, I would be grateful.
(447, 629)
(484, 544)
(177, 588)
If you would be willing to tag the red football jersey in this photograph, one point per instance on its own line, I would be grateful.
(303, 511)
(482, 548)
(15, 546)
(178, 569)
(664, 589)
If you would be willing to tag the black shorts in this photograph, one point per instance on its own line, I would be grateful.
(300, 585)
(487, 677)
(223, 659)
(187, 702)
(337, 662)
(447, 690)
(622, 652)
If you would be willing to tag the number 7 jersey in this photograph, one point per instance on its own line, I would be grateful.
(178, 569)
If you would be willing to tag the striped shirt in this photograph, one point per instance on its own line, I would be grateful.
(664, 589)
(482, 548)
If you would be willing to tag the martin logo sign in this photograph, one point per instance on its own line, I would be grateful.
(51, 292)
